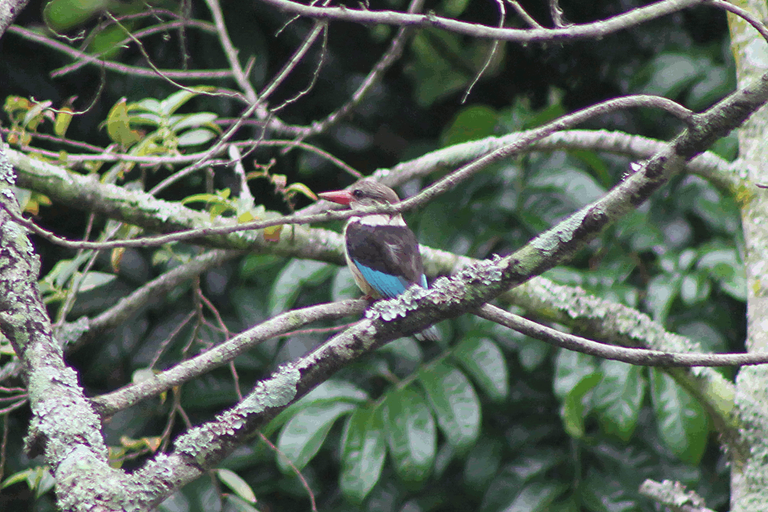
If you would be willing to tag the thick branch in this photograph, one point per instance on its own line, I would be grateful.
(63, 426)
(9, 9)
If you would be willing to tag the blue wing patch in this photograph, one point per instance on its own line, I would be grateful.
(391, 286)
(385, 285)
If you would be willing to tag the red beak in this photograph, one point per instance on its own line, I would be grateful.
(337, 196)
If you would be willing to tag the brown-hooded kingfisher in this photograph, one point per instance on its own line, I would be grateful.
(381, 251)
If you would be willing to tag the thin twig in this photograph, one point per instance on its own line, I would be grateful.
(315, 74)
(157, 70)
(557, 13)
(113, 66)
(491, 53)
(393, 53)
(13, 407)
(73, 158)
(231, 52)
(164, 344)
(205, 26)
(4, 445)
(446, 183)
(636, 356)
(521, 12)
(312, 504)
(221, 354)
(593, 30)
(293, 61)
(743, 13)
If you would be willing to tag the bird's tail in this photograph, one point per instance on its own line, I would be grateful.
(428, 334)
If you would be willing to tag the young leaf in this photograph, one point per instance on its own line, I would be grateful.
(118, 126)
(411, 433)
(176, 100)
(63, 118)
(198, 120)
(94, 279)
(237, 484)
(195, 137)
(455, 403)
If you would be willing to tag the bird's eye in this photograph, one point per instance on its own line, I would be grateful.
(357, 194)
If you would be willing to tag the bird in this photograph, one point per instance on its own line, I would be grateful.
(381, 250)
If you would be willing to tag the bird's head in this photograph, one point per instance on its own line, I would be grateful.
(364, 194)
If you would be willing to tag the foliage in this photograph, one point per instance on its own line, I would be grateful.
(487, 420)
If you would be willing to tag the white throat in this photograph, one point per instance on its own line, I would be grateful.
(381, 219)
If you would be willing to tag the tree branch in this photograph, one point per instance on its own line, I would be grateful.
(597, 29)
(109, 404)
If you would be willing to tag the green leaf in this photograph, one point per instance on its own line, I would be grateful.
(304, 434)
(455, 403)
(61, 15)
(295, 275)
(669, 74)
(662, 291)
(454, 8)
(149, 105)
(533, 353)
(682, 422)
(573, 406)
(471, 123)
(604, 492)
(63, 119)
(363, 449)
(330, 391)
(234, 504)
(485, 363)
(619, 397)
(94, 279)
(198, 119)
(63, 270)
(253, 266)
(344, 286)
(118, 125)
(536, 497)
(570, 368)
(694, 288)
(237, 484)
(574, 183)
(715, 84)
(411, 434)
(195, 137)
(482, 463)
(143, 118)
(570, 504)
(724, 265)
(22, 476)
(45, 482)
(176, 100)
